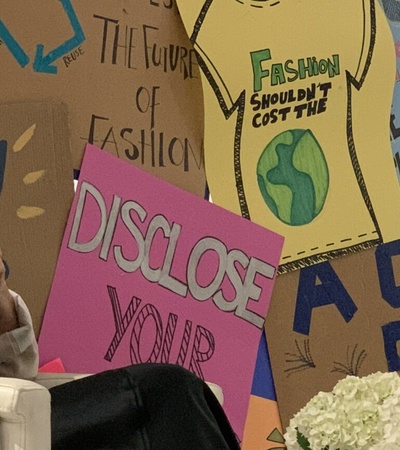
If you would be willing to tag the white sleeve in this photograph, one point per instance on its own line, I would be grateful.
(18, 348)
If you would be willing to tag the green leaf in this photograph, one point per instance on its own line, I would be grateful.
(302, 441)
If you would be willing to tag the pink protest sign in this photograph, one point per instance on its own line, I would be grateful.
(150, 273)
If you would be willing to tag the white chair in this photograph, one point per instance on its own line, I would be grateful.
(25, 410)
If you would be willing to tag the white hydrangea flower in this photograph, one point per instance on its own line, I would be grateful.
(359, 414)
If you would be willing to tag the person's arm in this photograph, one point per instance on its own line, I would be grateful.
(18, 347)
(8, 313)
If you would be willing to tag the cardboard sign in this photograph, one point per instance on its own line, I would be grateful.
(150, 273)
(296, 137)
(392, 12)
(333, 319)
(126, 70)
(36, 191)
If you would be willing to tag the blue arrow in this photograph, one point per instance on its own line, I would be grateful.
(44, 63)
(13, 46)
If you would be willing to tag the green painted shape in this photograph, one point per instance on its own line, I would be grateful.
(309, 158)
(300, 183)
(293, 177)
(277, 197)
(276, 436)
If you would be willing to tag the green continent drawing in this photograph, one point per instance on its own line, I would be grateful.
(293, 177)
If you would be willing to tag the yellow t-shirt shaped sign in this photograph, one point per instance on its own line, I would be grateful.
(297, 105)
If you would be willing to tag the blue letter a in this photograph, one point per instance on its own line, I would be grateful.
(311, 295)
(391, 335)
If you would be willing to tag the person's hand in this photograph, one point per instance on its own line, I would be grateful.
(8, 313)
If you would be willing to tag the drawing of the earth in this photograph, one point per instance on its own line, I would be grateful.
(293, 177)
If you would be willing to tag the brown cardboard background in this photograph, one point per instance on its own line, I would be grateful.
(30, 246)
(331, 339)
(90, 87)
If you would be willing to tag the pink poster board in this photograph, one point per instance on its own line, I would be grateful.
(150, 273)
